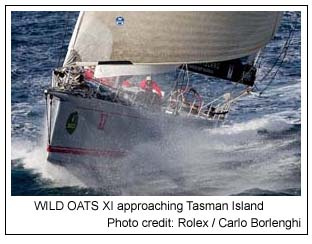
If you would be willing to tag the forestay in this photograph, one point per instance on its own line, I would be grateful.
(170, 37)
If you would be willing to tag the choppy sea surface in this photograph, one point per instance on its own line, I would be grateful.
(257, 152)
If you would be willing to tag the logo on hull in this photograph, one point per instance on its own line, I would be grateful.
(72, 122)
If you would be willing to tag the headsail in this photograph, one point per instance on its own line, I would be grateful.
(170, 37)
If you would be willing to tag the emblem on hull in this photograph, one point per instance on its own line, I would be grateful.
(72, 122)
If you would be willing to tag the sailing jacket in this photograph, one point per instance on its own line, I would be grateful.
(155, 87)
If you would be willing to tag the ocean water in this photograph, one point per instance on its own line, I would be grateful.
(256, 152)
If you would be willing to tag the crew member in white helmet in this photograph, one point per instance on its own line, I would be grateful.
(150, 85)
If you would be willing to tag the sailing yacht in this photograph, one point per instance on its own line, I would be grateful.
(96, 108)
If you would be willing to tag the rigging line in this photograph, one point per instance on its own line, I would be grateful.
(64, 36)
(188, 78)
(259, 61)
(276, 71)
(255, 86)
(282, 54)
(285, 47)
(275, 63)
(274, 75)
(175, 83)
(256, 59)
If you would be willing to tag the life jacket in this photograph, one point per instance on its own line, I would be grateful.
(89, 74)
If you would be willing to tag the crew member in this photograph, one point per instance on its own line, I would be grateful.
(149, 85)
(126, 83)
(89, 74)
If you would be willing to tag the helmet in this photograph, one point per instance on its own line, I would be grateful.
(148, 77)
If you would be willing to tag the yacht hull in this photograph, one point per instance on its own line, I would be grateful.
(83, 128)
(90, 129)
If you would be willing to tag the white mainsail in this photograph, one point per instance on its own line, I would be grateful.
(170, 37)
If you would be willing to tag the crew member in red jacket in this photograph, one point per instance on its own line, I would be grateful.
(149, 85)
